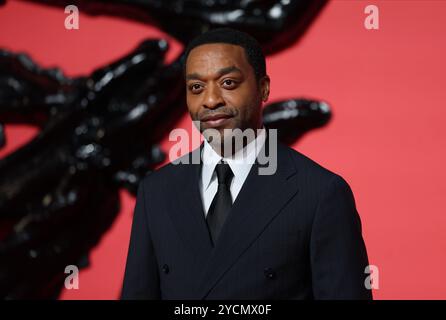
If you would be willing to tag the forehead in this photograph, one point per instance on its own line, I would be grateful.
(208, 58)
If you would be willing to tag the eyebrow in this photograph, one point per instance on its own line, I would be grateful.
(221, 72)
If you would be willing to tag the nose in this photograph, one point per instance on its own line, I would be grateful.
(212, 98)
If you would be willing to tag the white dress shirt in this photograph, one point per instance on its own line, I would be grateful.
(240, 165)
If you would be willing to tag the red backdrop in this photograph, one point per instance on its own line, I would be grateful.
(387, 136)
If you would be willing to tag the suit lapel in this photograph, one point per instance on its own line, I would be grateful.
(259, 201)
(186, 209)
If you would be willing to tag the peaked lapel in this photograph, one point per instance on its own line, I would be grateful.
(258, 202)
(186, 209)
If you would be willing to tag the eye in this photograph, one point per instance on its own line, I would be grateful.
(195, 87)
(229, 83)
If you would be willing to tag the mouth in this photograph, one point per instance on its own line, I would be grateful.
(216, 120)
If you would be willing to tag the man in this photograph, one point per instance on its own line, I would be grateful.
(218, 229)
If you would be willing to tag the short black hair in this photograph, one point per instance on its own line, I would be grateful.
(253, 50)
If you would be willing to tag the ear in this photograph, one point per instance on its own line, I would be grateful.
(264, 87)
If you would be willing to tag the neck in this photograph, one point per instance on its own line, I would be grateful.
(229, 146)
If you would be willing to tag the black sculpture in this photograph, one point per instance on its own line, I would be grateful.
(99, 133)
(274, 23)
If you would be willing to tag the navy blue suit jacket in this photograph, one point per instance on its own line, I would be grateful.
(295, 234)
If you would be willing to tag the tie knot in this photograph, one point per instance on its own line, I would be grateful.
(224, 173)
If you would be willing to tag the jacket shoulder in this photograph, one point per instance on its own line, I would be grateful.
(168, 173)
(312, 171)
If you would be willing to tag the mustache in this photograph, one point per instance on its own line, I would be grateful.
(220, 112)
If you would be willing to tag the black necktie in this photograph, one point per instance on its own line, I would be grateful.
(222, 202)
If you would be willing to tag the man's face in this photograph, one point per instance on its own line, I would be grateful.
(222, 90)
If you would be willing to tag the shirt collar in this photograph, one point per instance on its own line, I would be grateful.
(240, 163)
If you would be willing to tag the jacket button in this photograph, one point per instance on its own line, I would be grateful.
(269, 273)
(166, 269)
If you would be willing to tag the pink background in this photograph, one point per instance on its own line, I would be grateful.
(387, 136)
